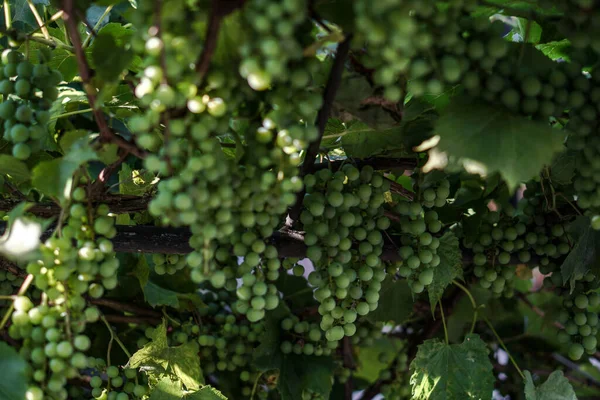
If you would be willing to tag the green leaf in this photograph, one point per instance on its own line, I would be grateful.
(158, 296)
(516, 147)
(556, 387)
(13, 384)
(556, 50)
(206, 393)
(15, 168)
(563, 167)
(452, 372)
(109, 58)
(71, 138)
(167, 389)
(450, 267)
(267, 355)
(182, 361)
(584, 255)
(369, 358)
(135, 182)
(360, 141)
(52, 177)
(395, 302)
(295, 290)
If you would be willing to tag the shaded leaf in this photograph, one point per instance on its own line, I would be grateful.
(158, 296)
(471, 129)
(556, 387)
(14, 382)
(206, 393)
(368, 358)
(584, 255)
(450, 267)
(110, 58)
(17, 169)
(395, 302)
(135, 182)
(452, 372)
(167, 389)
(563, 167)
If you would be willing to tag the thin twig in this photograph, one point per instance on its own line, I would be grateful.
(219, 10)
(87, 40)
(100, 184)
(126, 307)
(39, 20)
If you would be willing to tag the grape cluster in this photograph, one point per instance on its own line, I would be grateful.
(78, 261)
(341, 209)
(232, 205)
(303, 337)
(28, 92)
(418, 227)
(580, 24)
(168, 263)
(580, 324)
(499, 236)
(112, 383)
(226, 340)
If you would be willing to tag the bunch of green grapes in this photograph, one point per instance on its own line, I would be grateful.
(232, 205)
(580, 24)
(77, 261)
(579, 317)
(498, 238)
(168, 263)
(53, 342)
(304, 337)
(112, 383)
(582, 128)
(28, 92)
(343, 219)
(418, 227)
(546, 236)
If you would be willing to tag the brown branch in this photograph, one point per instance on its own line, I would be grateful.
(125, 307)
(118, 204)
(333, 83)
(219, 10)
(348, 362)
(123, 319)
(11, 267)
(106, 135)
(100, 184)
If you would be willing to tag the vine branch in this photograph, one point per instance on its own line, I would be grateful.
(333, 83)
(106, 135)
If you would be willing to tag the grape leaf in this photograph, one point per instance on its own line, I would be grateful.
(452, 372)
(584, 256)
(182, 361)
(17, 169)
(206, 393)
(563, 167)
(52, 177)
(556, 387)
(158, 296)
(471, 129)
(295, 290)
(368, 358)
(556, 50)
(450, 267)
(395, 302)
(135, 182)
(109, 57)
(267, 355)
(167, 389)
(13, 383)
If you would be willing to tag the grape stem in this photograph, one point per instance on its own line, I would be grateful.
(473, 303)
(21, 292)
(7, 16)
(255, 385)
(113, 336)
(444, 322)
(39, 20)
(510, 357)
(87, 40)
(333, 83)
